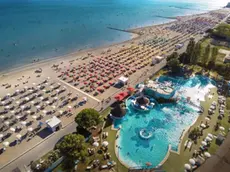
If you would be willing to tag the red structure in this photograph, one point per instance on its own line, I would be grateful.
(121, 96)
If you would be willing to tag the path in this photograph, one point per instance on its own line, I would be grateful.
(79, 90)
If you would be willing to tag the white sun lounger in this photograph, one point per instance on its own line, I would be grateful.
(189, 144)
(185, 143)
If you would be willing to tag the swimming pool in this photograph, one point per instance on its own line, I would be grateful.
(165, 123)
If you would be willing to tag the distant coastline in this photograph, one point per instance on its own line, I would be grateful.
(72, 26)
(133, 35)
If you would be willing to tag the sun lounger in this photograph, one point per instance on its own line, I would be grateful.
(185, 144)
(189, 145)
(201, 158)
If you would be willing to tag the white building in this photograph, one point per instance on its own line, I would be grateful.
(123, 80)
(54, 124)
(157, 59)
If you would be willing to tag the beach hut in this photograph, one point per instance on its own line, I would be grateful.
(123, 80)
(54, 124)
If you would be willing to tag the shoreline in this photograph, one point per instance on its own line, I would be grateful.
(133, 35)
(76, 72)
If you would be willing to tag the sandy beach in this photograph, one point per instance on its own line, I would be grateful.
(90, 75)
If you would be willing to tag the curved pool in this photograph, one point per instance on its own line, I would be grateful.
(165, 122)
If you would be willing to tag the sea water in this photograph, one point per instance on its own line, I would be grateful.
(32, 29)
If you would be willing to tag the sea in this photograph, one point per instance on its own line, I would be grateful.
(44, 29)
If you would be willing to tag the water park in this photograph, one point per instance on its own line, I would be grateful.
(148, 131)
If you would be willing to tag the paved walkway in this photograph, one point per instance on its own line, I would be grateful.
(79, 90)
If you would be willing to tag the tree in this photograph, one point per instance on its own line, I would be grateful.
(73, 147)
(183, 58)
(225, 88)
(88, 118)
(42, 166)
(53, 156)
(212, 60)
(190, 49)
(196, 53)
(174, 64)
(205, 56)
(172, 56)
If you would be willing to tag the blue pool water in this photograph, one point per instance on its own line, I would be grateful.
(31, 29)
(165, 121)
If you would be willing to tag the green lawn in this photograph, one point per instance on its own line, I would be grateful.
(111, 148)
(111, 139)
(175, 162)
(220, 58)
(205, 43)
(228, 103)
(222, 30)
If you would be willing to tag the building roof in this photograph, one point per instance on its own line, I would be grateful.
(121, 96)
(123, 79)
(53, 122)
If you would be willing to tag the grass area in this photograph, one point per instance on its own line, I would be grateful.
(205, 43)
(111, 148)
(228, 103)
(175, 162)
(222, 30)
(159, 73)
(111, 139)
(59, 168)
(105, 112)
(220, 58)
